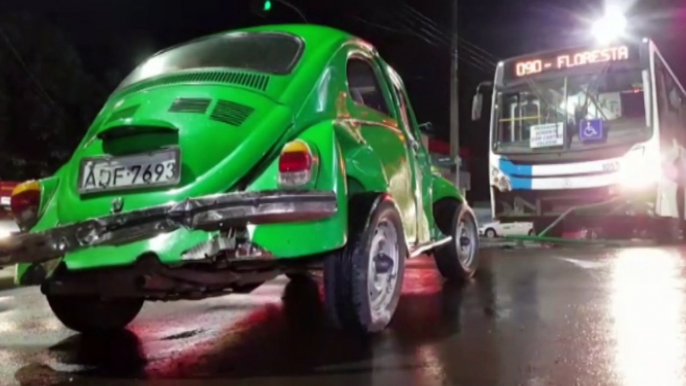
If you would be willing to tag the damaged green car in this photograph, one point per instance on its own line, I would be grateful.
(219, 164)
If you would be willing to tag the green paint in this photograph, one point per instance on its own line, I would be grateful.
(358, 150)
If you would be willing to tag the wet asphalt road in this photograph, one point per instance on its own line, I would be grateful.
(531, 317)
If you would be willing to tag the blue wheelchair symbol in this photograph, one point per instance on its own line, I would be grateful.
(591, 130)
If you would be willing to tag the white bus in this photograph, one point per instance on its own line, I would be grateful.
(598, 132)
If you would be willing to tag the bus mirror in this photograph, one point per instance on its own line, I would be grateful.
(477, 106)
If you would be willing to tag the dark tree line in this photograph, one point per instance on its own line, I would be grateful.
(47, 99)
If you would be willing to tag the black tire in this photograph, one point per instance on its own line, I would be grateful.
(88, 314)
(531, 232)
(348, 300)
(457, 220)
(667, 231)
(299, 276)
(491, 233)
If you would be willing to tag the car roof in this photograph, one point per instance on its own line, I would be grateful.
(310, 33)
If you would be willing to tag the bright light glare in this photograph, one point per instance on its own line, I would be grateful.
(610, 27)
(152, 67)
(639, 169)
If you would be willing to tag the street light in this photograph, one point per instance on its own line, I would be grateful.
(610, 27)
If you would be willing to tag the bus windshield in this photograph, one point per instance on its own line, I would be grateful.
(550, 115)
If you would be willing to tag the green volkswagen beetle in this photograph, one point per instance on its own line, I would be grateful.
(223, 162)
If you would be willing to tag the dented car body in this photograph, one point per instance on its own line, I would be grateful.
(223, 162)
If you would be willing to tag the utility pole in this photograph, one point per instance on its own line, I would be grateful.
(454, 97)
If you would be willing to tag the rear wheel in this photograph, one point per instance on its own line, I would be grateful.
(89, 314)
(363, 281)
(457, 260)
(490, 233)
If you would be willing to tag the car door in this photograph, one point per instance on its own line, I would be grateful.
(372, 113)
(506, 229)
(419, 160)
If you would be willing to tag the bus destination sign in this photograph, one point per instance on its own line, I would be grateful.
(544, 63)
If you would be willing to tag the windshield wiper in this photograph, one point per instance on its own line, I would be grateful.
(594, 84)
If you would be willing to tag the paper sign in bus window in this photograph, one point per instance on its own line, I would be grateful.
(547, 135)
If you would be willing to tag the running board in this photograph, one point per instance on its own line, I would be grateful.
(425, 247)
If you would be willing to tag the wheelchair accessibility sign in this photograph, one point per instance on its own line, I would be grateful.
(591, 130)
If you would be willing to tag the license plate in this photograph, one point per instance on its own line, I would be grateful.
(154, 169)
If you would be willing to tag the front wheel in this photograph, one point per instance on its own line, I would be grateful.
(87, 314)
(362, 283)
(490, 233)
(458, 259)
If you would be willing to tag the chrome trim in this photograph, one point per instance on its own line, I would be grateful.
(425, 247)
(206, 213)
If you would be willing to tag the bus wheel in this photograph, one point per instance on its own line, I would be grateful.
(667, 231)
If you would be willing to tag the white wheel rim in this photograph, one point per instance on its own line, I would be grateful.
(383, 269)
(465, 240)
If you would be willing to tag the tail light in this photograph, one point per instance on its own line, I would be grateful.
(295, 164)
(25, 203)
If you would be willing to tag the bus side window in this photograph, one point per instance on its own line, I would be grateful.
(670, 122)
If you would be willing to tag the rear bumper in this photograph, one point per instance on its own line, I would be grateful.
(205, 213)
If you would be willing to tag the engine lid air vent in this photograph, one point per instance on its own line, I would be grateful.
(124, 113)
(190, 105)
(245, 79)
(231, 112)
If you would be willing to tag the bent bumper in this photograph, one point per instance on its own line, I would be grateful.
(208, 213)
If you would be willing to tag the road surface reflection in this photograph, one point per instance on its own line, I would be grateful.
(647, 307)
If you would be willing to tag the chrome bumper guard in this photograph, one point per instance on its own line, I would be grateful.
(206, 213)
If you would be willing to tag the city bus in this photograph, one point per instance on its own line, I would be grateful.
(594, 134)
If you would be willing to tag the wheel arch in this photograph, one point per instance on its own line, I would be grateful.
(361, 206)
(443, 189)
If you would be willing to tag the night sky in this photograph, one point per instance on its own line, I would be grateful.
(413, 36)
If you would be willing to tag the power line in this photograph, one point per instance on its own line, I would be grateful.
(438, 37)
(438, 34)
(432, 38)
(435, 25)
(475, 64)
(25, 67)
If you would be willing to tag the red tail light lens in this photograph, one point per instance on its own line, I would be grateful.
(25, 203)
(295, 164)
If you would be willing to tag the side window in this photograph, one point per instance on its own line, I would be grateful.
(403, 110)
(364, 86)
(406, 115)
(671, 105)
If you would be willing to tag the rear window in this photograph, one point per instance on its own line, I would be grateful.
(267, 52)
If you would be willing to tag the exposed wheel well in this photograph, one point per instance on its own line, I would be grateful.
(443, 213)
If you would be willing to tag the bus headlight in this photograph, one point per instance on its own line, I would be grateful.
(500, 180)
(639, 169)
